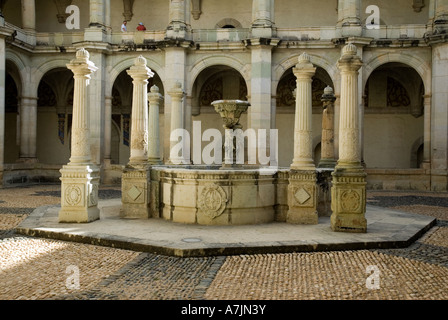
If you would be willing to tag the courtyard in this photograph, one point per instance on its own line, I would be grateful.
(35, 268)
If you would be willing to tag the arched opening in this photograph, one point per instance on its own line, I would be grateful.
(393, 101)
(54, 116)
(285, 110)
(121, 115)
(228, 23)
(217, 82)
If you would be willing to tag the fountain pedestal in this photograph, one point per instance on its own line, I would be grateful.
(230, 112)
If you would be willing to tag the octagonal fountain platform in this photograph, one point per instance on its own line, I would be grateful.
(385, 229)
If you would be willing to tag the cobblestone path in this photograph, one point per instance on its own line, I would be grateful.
(33, 268)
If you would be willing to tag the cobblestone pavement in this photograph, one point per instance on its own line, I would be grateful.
(33, 268)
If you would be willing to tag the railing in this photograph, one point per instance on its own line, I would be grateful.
(61, 39)
(137, 37)
(58, 39)
(307, 33)
(215, 35)
(396, 32)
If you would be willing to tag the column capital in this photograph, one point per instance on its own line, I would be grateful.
(154, 94)
(176, 92)
(304, 69)
(81, 65)
(328, 95)
(349, 61)
(139, 71)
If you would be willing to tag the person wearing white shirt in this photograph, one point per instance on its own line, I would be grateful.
(124, 28)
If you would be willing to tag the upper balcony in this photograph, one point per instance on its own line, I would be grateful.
(57, 41)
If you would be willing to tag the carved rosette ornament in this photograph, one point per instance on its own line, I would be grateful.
(212, 201)
(350, 201)
(73, 195)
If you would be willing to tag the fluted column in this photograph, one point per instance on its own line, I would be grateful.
(327, 159)
(135, 181)
(140, 74)
(349, 179)
(82, 68)
(80, 178)
(154, 98)
(302, 189)
(349, 152)
(177, 123)
(303, 132)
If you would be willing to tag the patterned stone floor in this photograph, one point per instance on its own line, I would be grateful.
(33, 268)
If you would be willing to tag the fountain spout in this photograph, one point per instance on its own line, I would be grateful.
(230, 112)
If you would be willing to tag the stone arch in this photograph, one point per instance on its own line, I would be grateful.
(225, 60)
(42, 70)
(125, 64)
(229, 22)
(418, 64)
(19, 65)
(316, 60)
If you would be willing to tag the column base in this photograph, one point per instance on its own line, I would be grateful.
(155, 161)
(327, 164)
(351, 30)
(135, 189)
(79, 194)
(27, 160)
(302, 198)
(348, 201)
(353, 223)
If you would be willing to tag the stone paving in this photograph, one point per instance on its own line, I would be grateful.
(33, 268)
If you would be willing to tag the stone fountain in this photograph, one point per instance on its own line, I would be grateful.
(218, 195)
(230, 112)
(228, 193)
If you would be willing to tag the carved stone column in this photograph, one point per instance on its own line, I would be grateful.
(302, 189)
(177, 123)
(136, 175)
(28, 129)
(427, 133)
(262, 18)
(154, 98)
(177, 28)
(327, 159)
(80, 178)
(29, 15)
(350, 17)
(3, 34)
(303, 134)
(107, 128)
(349, 179)
(441, 14)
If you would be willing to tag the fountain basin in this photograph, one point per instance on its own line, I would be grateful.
(213, 196)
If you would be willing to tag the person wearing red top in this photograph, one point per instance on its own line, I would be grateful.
(141, 27)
